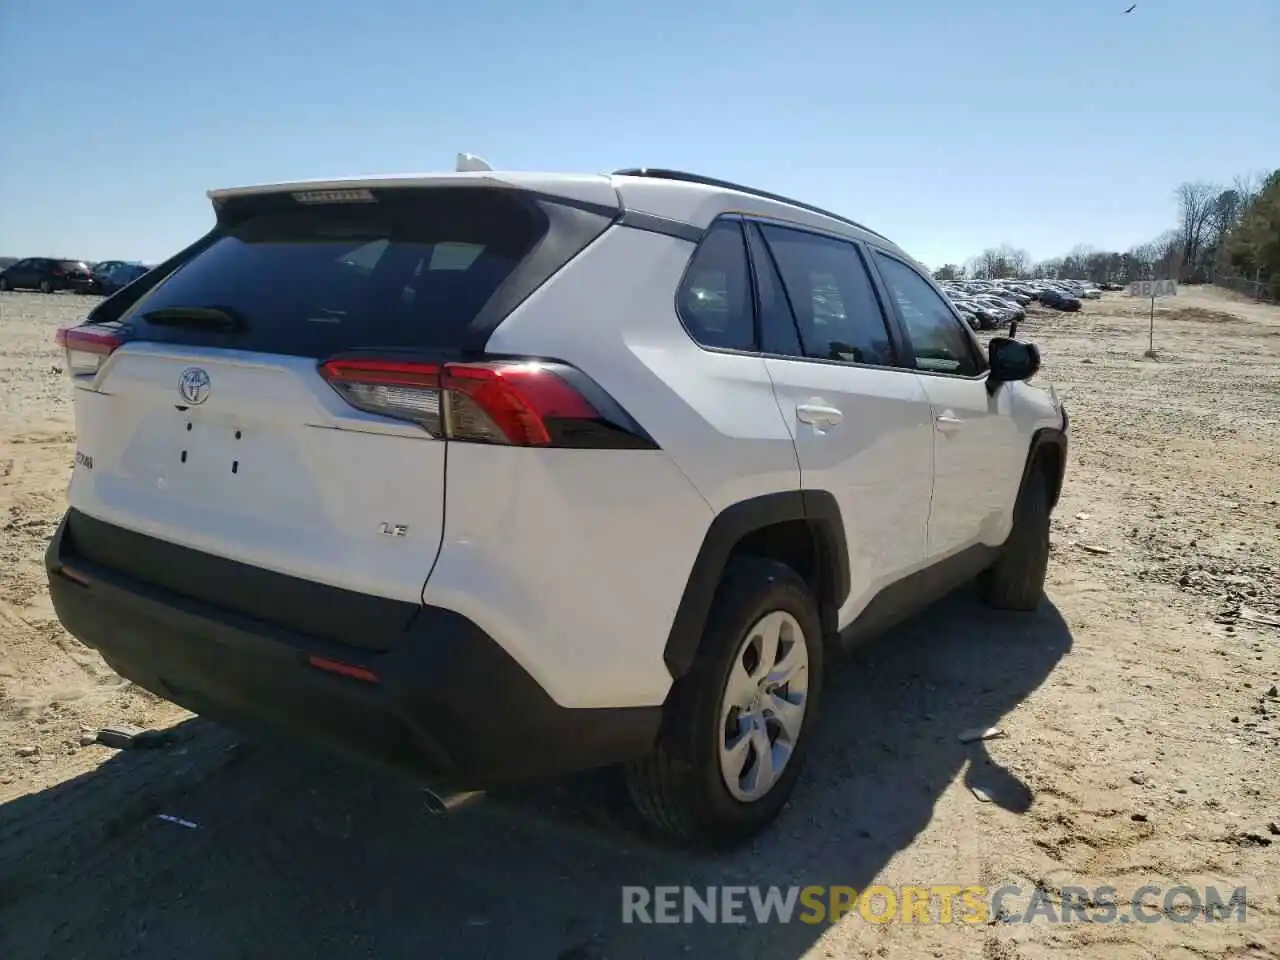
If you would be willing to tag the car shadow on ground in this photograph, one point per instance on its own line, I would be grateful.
(283, 853)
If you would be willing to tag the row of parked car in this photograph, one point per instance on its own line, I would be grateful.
(52, 274)
(987, 304)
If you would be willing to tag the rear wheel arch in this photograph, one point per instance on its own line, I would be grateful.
(802, 528)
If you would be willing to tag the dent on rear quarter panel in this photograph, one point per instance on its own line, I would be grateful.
(611, 312)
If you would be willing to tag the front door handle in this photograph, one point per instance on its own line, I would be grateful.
(818, 415)
(948, 422)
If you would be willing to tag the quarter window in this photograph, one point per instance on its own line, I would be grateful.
(714, 299)
(830, 292)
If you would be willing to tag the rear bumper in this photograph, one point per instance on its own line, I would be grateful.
(448, 703)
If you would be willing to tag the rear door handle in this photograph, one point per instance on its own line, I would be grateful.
(818, 415)
(948, 422)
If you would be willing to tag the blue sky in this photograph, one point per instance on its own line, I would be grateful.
(947, 126)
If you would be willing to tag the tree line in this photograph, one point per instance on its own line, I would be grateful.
(1222, 232)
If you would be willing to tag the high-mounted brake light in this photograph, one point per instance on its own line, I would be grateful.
(516, 402)
(357, 195)
(86, 349)
(343, 669)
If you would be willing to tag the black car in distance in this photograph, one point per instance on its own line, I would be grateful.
(47, 274)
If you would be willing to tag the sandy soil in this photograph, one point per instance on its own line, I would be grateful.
(1139, 709)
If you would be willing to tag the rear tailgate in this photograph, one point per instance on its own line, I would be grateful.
(207, 423)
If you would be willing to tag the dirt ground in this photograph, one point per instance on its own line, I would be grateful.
(1139, 709)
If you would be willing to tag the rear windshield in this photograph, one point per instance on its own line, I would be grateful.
(409, 271)
(73, 265)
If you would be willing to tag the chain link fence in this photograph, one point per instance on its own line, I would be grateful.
(1257, 288)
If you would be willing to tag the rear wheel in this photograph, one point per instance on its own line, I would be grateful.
(738, 723)
(1016, 581)
(4, 283)
(46, 286)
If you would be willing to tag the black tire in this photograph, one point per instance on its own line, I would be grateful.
(680, 789)
(46, 286)
(1016, 580)
(4, 283)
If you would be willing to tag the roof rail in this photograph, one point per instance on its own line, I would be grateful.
(658, 173)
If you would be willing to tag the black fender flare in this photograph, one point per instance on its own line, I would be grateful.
(1047, 437)
(818, 507)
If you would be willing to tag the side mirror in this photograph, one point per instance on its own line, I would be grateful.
(1010, 360)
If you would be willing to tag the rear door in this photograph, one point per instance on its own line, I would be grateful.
(29, 272)
(211, 425)
(861, 424)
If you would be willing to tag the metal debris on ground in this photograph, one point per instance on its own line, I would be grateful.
(167, 818)
(1250, 615)
(125, 736)
(981, 733)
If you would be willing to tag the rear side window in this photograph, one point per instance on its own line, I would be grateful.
(830, 292)
(714, 298)
(410, 271)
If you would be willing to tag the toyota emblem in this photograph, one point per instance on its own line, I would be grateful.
(194, 385)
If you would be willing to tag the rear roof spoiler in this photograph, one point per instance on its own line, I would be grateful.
(592, 190)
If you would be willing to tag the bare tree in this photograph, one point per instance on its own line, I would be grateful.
(1048, 269)
(1000, 262)
(1247, 186)
(1168, 260)
(1017, 261)
(1195, 208)
(978, 267)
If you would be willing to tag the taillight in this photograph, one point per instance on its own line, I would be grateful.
(86, 349)
(525, 403)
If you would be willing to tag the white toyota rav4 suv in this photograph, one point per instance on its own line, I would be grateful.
(493, 476)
